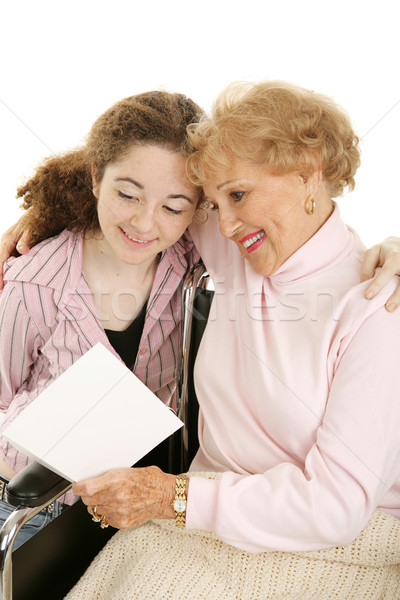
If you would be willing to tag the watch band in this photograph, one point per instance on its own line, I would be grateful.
(179, 503)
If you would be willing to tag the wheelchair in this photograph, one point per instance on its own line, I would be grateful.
(49, 564)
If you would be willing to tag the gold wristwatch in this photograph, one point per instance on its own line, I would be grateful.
(179, 503)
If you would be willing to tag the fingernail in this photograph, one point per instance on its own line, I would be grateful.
(370, 294)
(391, 307)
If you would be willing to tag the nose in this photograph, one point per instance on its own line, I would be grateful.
(229, 222)
(143, 219)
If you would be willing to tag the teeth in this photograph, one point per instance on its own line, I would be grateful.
(252, 240)
(134, 239)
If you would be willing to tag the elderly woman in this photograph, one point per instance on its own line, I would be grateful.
(295, 490)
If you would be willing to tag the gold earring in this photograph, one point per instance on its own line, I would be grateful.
(201, 213)
(310, 206)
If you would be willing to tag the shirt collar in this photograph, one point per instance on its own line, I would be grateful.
(324, 249)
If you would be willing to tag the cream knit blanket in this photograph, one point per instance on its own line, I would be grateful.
(158, 562)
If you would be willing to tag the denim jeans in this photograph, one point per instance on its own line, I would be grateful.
(31, 527)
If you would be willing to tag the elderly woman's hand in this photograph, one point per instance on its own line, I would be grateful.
(129, 497)
(16, 237)
(387, 256)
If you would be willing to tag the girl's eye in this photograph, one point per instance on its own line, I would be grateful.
(126, 196)
(236, 196)
(172, 211)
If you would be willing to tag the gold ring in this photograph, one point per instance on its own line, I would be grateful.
(95, 516)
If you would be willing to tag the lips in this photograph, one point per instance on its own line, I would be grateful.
(135, 238)
(253, 240)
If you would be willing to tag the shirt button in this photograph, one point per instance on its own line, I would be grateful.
(143, 351)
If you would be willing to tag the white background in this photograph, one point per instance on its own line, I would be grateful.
(63, 63)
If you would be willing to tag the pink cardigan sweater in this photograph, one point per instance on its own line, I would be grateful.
(298, 379)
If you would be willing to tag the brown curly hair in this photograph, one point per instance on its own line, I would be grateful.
(287, 127)
(59, 195)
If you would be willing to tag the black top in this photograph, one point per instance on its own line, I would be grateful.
(126, 343)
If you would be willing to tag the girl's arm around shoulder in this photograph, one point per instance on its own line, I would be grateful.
(387, 256)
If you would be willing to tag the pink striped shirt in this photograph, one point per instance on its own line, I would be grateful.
(48, 320)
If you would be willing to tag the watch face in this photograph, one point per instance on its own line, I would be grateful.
(179, 505)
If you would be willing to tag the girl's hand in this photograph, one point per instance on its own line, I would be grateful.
(387, 256)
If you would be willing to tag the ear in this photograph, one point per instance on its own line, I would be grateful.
(312, 181)
(95, 182)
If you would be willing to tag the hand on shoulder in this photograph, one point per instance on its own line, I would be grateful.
(15, 239)
(387, 256)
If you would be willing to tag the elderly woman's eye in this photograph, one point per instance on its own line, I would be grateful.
(213, 207)
(236, 196)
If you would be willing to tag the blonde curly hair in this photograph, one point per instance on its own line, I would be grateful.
(289, 128)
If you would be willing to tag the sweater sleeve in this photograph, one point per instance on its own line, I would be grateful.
(352, 468)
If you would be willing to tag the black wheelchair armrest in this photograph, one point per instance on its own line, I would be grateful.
(35, 485)
(30, 490)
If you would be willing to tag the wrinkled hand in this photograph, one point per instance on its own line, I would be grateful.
(387, 256)
(16, 237)
(129, 497)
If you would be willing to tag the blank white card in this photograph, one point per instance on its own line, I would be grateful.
(96, 416)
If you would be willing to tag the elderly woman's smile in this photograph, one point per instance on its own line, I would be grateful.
(264, 213)
(250, 241)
